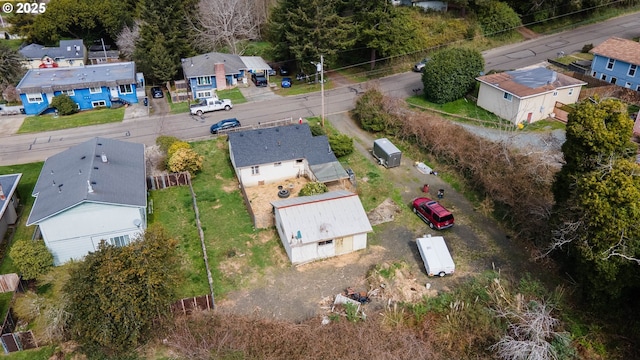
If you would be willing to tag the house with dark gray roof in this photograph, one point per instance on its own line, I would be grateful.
(95, 191)
(89, 87)
(68, 53)
(212, 71)
(8, 201)
(527, 95)
(268, 155)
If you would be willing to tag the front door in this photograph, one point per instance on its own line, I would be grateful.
(529, 115)
(344, 245)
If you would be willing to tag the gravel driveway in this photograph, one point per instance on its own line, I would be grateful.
(477, 243)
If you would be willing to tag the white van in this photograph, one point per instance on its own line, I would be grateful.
(436, 256)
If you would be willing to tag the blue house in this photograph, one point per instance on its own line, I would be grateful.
(617, 61)
(212, 71)
(89, 87)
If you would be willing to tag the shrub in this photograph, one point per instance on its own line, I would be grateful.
(64, 105)
(165, 141)
(317, 130)
(185, 159)
(451, 74)
(586, 48)
(369, 111)
(496, 18)
(32, 258)
(177, 146)
(341, 144)
(313, 188)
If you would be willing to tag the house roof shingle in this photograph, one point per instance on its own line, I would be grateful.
(68, 49)
(80, 175)
(321, 217)
(282, 143)
(77, 77)
(619, 49)
(203, 65)
(528, 82)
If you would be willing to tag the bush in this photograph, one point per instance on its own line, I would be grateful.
(64, 105)
(177, 146)
(185, 159)
(165, 141)
(586, 48)
(451, 74)
(341, 144)
(317, 130)
(313, 188)
(32, 258)
(369, 111)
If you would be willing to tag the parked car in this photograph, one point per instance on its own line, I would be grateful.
(157, 92)
(224, 124)
(433, 213)
(286, 82)
(259, 79)
(272, 72)
(419, 66)
(210, 104)
(284, 71)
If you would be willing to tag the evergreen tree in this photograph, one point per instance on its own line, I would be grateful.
(11, 69)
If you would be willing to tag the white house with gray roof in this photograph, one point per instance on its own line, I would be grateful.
(69, 53)
(321, 226)
(91, 192)
(89, 87)
(527, 95)
(268, 155)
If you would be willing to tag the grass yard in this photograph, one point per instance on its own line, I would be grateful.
(462, 111)
(41, 353)
(41, 123)
(235, 95)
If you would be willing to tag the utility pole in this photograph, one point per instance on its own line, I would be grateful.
(322, 86)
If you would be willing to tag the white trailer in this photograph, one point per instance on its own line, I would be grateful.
(386, 153)
(436, 256)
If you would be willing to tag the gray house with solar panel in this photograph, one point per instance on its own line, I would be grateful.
(265, 156)
(91, 192)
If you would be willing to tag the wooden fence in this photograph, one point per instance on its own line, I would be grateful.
(188, 305)
(167, 180)
(9, 282)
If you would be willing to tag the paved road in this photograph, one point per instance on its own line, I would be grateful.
(17, 149)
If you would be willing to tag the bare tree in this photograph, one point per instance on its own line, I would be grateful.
(226, 23)
(127, 39)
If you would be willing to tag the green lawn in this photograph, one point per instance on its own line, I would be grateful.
(235, 95)
(84, 118)
(41, 353)
(464, 111)
(13, 43)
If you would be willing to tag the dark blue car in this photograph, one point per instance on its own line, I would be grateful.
(225, 124)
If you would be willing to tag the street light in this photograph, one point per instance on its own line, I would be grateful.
(320, 69)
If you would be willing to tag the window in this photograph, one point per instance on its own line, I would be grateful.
(638, 88)
(68, 92)
(120, 240)
(555, 93)
(610, 64)
(279, 163)
(204, 80)
(98, 103)
(126, 89)
(95, 90)
(507, 96)
(627, 85)
(328, 242)
(632, 70)
(203, 94)
(594, 74)
(34, 98)
(614, 80)
(255, 170)
(570, 91)
(299, 161)
(603, 77)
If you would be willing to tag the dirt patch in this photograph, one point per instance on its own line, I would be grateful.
(154, 160)
(383, 213)
(527, 33)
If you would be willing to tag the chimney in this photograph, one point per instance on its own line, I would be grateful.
(2, 197)
(221, 80)
(104, 157)
(89, 187)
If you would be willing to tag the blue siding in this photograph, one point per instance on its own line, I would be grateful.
(130, 98)
(34, 108)
(620, 72)
(84, 98)
(193, 83)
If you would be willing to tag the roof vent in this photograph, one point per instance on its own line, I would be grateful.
(104, 158)
(83, 157)
(79, 171)
(2, 197)
(89, 187)
(60, 188)
(95, 168)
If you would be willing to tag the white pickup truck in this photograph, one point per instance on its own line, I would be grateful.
(210, 104)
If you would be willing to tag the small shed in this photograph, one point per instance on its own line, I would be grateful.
(386, 153)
